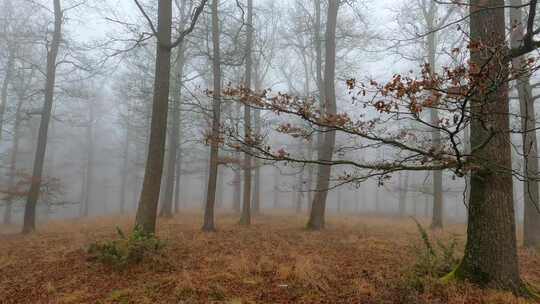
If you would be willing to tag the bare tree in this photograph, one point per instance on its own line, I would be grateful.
(29, 224)
(214, 136)
(245, 218)
(168, 196)
(147, 210)
(531, 223)
(316, 219)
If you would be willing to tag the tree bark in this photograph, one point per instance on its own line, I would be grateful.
(490, 257)
(29, 224)
(214, 140)
(245, 218)
(531, 197)
(316, 219)
(148, 204)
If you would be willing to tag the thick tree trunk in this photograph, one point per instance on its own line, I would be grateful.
(148, 204)
(490, 257)
(29, 224)
(531, 197)
(214, 141)
(245, 218)
(316, 219)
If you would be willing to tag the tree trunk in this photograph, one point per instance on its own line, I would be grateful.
(402, 198)
(89, 161)
(167, 206)
(178, 174)
(318, 42)
(276, 188)
(125, 168)
(148, 204)
(299, 193)
(490, 257)
(13, 158)
(257, 174)
(316, 219)
(531, 197)
(245, 218)
(214, 140)
(237, 190)
(5, 87)
(29, 224)
(437, 215)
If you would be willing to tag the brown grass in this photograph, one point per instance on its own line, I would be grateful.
(355, 260)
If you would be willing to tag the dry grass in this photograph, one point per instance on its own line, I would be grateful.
(356, 260)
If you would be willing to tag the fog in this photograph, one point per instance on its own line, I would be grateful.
(97, 142)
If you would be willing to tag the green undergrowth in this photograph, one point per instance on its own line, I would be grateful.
(433, 259)
(127, 249)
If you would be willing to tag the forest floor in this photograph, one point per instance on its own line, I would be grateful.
(355, 260)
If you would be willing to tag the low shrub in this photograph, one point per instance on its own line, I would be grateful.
(126, 250)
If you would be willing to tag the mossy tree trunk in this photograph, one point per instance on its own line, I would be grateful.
(490, 257)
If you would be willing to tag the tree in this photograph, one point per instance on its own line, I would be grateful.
(29, 224)
(245, 218)
(428, 17)
(147, 210)
(167, 207)
(214, 136)
(531, 219)
(8, 70)
(316, 219)
(490, 256)
(21, 91)
(90, 159)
